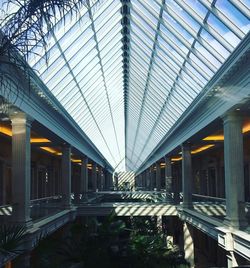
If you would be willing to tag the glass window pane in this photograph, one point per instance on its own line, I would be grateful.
(177, 27)
(228, 35)
(234, 15)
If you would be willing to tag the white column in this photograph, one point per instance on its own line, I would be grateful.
(116, 182)
(94, 177)
(144, 183)
(168, 177)
(66, 176)
(21, 160)
(187, 179)
(101, 178)
(158, 176)
(148, 179)
(104, 178)
(111, 182)
(139, 179)
(188, 243)
(107, 180)
(84, 177)
(234, 170)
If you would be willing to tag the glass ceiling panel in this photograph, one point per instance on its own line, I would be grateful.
(172, 50)
(185, 56)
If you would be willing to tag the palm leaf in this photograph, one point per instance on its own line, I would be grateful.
(32, 21)
(11, 238)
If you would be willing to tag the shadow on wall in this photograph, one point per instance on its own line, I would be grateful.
(126, 180)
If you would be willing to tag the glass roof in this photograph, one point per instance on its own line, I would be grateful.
(127, 70)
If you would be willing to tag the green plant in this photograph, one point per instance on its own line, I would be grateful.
(147, 246)
(111, 242)
(26, 24)
(11, 238)
(152, 251)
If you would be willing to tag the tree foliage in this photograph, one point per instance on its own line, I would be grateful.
(25, 25)
(11, 238)
(28, 23)
(111, 242)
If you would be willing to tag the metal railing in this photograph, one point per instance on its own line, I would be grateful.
(206, 198)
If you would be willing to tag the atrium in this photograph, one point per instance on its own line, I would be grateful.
(136, 99)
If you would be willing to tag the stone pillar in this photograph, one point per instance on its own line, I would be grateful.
(144, 182)
(188, 243)
(84, 177)
(98, 178)
(187, 176)
(140, 180)
(111, 182)
(66, 176)
(158, 176)
(107, 180)
(168, 178)
(21, 160)
(94, 177)
(148, 179)
(116, 182)
(104, 179)
(101, 178)
(234, 170)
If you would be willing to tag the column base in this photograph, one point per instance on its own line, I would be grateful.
(231, 260)
(79, 198)
(84, 197)
(187, 205)
(169, 198)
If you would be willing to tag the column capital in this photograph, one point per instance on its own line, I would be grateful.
(166, 157)
(66, 146)
(232, 116)
(186, 145)
(20, 118)
(84, 157)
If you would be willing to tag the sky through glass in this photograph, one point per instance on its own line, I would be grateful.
(126, 88)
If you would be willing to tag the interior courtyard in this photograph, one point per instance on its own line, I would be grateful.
(135, 107)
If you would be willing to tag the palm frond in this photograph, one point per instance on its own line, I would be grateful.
(11, 238)
(31, 21)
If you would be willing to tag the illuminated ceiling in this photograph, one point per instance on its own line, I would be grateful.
(127, 70)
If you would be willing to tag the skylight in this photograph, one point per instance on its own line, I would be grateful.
(126, 88)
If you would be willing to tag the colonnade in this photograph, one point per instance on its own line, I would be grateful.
(22, 185)
(234, 181)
